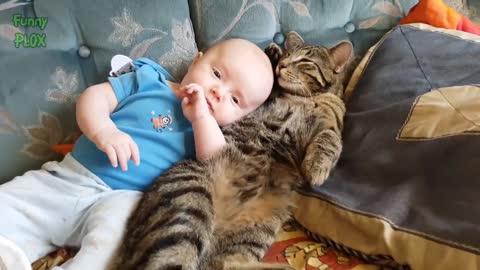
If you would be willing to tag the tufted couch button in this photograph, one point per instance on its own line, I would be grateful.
(83, 51)
(279, 38)
(349, 27)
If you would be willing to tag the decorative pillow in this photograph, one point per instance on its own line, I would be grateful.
(438, 14)
(319, 22)
(293, 247)
(66, 47)
(407, 182)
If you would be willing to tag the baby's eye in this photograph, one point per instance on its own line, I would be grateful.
(217, 74)
(235, 99)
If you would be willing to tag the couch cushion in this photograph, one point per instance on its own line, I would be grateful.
(407, 182)
(321, 22)
(39, 85)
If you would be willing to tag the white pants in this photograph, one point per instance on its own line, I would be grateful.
(64, 204)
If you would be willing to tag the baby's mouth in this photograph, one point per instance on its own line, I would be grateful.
(209, 105)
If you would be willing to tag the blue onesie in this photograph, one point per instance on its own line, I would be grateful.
(151, 114)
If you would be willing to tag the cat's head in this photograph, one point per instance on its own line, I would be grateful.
(308, 70)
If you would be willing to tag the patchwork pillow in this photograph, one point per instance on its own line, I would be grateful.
(407, 184)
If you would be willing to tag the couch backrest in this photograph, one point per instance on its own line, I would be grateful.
(39, 86)
(323, 22)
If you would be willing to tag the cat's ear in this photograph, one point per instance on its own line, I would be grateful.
(340, 55)
(293, 41)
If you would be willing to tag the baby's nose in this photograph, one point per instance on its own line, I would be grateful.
(217, 92)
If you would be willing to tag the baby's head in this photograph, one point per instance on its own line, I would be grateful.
(237, 78)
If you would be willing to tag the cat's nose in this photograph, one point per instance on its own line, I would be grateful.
(280, 66)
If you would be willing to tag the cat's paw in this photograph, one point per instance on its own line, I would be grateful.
(315, 172)
(274, 53)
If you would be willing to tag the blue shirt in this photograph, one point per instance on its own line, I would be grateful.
(151, 114)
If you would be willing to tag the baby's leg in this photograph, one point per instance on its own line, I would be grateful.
(102, 230)
(41, 208)
(29, 209)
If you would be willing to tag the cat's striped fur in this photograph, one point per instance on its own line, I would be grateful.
(224, 213)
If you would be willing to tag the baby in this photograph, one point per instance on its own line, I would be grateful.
(135, 127)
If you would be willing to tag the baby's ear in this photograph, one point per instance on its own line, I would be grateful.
(340, 55)
(197, 57)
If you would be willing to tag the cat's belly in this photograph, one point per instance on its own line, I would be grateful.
(250, 189)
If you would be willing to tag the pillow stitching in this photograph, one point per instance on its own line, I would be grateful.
(440, 31)
(416, 58)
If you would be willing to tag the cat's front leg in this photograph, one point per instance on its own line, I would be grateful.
(321, 156)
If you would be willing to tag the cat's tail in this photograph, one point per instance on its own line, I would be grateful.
(172, 225)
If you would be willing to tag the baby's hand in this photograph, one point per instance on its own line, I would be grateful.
(194, 104)
(118, 146)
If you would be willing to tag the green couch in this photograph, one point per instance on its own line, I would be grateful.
(45, 67)
(51, 50)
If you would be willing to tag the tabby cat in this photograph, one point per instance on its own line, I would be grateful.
(224, 213)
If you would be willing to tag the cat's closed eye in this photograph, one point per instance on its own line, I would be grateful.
(306, 66)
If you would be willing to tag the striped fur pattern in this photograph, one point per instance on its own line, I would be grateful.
(224, 213)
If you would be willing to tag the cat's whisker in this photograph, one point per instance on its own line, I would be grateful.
(306, 92)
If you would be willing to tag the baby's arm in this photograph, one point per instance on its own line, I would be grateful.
(208, 137)
(93, 117)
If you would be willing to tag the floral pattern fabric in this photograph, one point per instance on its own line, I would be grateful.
(318, 21)
(39, 86)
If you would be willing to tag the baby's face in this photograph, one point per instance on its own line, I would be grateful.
(236, 79)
